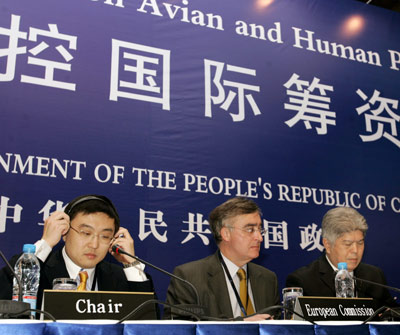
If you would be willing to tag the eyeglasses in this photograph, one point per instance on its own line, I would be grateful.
(89, 235)
(250, 230)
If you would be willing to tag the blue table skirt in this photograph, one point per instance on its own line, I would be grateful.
(8, 327)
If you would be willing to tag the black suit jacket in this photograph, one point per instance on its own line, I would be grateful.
(318, 279)
(207, 275)
(110, 277)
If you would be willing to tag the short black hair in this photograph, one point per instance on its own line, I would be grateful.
(92, 203)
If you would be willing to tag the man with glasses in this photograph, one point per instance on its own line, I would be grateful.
(343, 235)
(89, 227)
(228, 284)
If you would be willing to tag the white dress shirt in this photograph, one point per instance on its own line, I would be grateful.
(233, 269)
(43, 249)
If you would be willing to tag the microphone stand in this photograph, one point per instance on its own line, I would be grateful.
(272, 308)
(10, 307)
(199, 310)
(117, 249)
(377, 284)
(385, 311)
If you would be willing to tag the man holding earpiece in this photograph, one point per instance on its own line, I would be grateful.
(89, 227)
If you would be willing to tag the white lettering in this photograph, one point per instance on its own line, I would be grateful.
(334, 49)
(107, 170)
(267, 191)
(393, 203)
(320, 311)
(183, 14)
(155, 179)
(139, 173)
(119, 3)
(258, 31)
(375, 202)
(86, 306)
(41, 166)
(153, 4)
(217, 185)
(116, 172)
(394, 59)
(304, 194)
(77, 306)
(6, 166)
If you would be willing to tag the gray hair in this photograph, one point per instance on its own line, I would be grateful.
(341, 220)
(229, 209)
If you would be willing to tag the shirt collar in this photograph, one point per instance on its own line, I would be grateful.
(232, 267)
(334, 267)
(73, 269)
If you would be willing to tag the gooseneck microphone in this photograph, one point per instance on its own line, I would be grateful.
(281, 307)
(118, 250)
(154, 301)
(196, 309)
(377, 284)
(10, 308)
(388, 310)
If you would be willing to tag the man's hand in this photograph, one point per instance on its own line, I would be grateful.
(125, 241)
(55, 226)
(259, 317)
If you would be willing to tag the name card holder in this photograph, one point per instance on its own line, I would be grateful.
(83, 305)
(334, 309)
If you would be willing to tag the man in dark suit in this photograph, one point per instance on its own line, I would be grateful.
(343, 234)
(89, 227)
(237, 228)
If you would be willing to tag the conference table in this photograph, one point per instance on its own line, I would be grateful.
(110, 327)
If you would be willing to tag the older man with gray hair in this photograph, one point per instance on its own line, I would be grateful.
(343, 236)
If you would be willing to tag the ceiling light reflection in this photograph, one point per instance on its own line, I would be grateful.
(353, 25)
(261, 4)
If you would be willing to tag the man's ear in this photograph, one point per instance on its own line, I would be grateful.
(64, 237)
(225, 234)
(327, 245)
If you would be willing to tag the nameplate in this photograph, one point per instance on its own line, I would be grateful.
(83, 305)
(334, 309)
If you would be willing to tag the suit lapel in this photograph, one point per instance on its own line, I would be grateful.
(105, 279)
(359, 285)
(217, 282)
(55, 268)
(257, 287)
(327, 274)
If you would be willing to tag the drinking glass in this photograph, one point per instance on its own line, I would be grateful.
(290, 295)
(64, 284)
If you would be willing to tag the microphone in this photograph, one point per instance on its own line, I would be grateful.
(379, 310)
(8, 308)
(377, 284)
(191, 309)
(390, 301)
(281, 307)
(155, 301)
(185, 311)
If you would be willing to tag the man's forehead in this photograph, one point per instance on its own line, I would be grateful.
(95, 227)
(96, 221)
(251, 219)
(355, 235)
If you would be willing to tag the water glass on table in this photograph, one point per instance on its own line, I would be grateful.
(290, 295)
(64, 284)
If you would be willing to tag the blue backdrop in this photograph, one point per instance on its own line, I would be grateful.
(170, 108)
